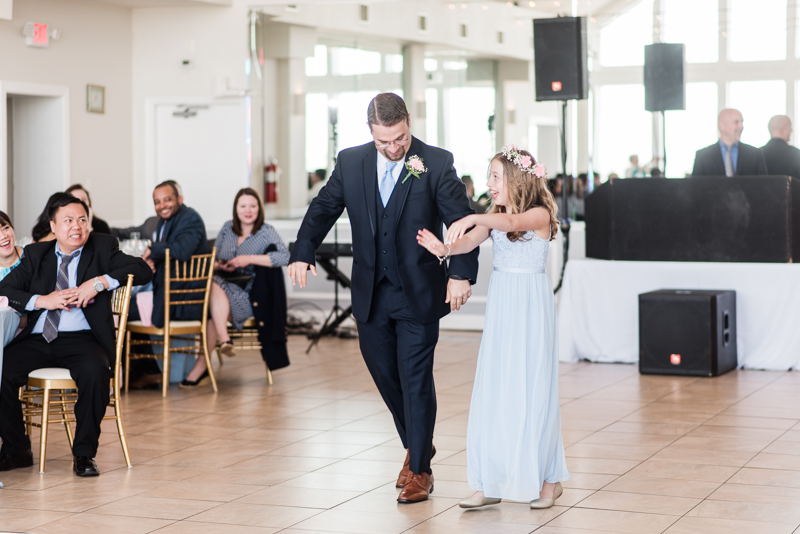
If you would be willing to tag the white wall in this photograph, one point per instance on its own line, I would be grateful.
(213, 38)
(95, 48)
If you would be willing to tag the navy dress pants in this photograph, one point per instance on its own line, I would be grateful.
(398, 351)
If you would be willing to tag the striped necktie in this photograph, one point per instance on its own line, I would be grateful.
(50, 330)
(729, 162)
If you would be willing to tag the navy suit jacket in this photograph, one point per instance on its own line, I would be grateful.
(750, 161)
(437, 197)
(782, 158)
(184, 236)
(37, 273)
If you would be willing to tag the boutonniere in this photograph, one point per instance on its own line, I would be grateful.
(415, 166)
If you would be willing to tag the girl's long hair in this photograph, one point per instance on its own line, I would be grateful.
(525, 191)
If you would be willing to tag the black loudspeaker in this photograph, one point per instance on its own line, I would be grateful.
(559, 47)
(684, 332)
(664, 87)
(739, 219)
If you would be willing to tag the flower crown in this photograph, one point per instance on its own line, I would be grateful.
(524, 162)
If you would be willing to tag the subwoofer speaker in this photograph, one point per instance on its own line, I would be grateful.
(687, 332)
(559, 47)
(664, 87)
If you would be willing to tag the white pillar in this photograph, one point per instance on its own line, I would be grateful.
(415, 80)
(288, 45)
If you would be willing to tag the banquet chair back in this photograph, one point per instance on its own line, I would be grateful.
(199, 271)
(51, 393)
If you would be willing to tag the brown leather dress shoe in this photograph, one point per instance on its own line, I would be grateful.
(405, 472)
(417, 489)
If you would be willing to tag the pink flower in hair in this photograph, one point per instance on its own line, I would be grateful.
(525, 162)
(539, 171)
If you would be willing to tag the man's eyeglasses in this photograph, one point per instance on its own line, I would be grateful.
(397, 142)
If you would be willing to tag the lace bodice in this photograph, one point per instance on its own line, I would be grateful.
(527, 253)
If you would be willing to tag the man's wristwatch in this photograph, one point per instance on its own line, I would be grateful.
(98, 284)
(456, 277)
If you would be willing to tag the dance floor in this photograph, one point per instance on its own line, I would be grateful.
(317, 452)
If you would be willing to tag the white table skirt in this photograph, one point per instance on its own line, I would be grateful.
(599, 307)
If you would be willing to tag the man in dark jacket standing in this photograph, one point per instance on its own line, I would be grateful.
(729, 156)
(393, 187)
(781, 157)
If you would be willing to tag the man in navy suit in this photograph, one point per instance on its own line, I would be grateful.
(729, 156)
(400, 291)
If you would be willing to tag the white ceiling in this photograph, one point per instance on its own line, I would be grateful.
(595, 8)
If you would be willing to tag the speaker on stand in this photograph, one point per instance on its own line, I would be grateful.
(664, 82)
(560, 68)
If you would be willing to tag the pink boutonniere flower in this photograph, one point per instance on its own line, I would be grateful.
(415, 167)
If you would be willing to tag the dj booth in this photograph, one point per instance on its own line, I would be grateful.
(740, 233)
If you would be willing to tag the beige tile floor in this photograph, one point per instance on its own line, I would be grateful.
(317, 452)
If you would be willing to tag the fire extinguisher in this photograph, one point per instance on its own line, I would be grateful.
(271, 172)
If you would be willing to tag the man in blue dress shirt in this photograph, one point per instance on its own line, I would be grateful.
(729, 156)
(65, 287)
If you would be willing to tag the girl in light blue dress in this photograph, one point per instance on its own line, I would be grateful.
(514, 445)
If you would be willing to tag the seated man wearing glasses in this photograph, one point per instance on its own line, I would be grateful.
(65, 287)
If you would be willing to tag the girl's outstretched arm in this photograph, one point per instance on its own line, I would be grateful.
(536, 219)
(466, 244)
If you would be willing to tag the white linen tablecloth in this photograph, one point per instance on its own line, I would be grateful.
(599, 307)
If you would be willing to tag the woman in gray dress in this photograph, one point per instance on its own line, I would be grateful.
(241, 246)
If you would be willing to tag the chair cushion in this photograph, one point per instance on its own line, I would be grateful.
(176, 324)
(179, 324)
(51, 373)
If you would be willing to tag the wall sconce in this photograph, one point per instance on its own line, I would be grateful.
(512, 116)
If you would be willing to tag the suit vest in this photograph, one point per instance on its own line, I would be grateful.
(385, 253)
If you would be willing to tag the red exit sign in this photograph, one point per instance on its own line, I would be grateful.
(40, 34)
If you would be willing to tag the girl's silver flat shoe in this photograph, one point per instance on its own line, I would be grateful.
(477, 502)
(540, 504)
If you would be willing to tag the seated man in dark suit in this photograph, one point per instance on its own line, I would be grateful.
(181, 230)
(65, 287)
(729, 156)
(781, 157)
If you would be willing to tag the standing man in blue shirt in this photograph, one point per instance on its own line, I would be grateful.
(65, 287)
(729, 156)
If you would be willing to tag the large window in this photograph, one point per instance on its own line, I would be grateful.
(467, 136)
(317, 127)
(622, 40)
(743, 54)
(757, 30)
(758, 101)
(624, 128)
(691, 129)
(699, 32)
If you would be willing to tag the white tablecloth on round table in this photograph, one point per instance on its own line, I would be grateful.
(599, 307)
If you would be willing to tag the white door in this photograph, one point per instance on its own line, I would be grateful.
(207, 152)
(36, 159)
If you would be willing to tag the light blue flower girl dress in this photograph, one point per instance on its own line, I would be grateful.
(514, 434)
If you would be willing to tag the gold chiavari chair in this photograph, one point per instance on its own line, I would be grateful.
(247, 339)
(53, 399)
(199, 268)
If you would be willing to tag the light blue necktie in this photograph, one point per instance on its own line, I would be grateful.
(387, 182)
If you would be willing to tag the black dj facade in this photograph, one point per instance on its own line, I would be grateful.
(708, 219)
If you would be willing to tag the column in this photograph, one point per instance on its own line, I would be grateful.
(288, 46)
(415, 80)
